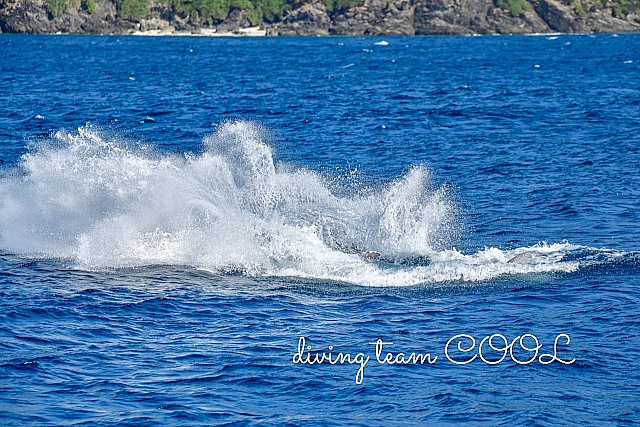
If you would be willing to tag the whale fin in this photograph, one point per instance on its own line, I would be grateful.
(370, 255)
(524, 257)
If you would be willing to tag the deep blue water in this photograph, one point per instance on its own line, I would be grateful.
(177, 213)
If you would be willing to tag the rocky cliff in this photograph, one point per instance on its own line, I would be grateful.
(313, 17)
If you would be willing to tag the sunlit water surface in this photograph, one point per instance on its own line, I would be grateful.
(178, 214)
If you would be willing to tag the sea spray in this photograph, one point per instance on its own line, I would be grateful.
(102, 203)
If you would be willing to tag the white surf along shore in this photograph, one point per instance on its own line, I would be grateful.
(204, 32)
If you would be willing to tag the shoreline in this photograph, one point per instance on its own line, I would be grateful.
(313, 18)
(204, 32)
(261, 33)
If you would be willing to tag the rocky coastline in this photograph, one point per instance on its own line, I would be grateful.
(313, 18)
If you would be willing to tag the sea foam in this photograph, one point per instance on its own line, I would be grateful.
(92, 198)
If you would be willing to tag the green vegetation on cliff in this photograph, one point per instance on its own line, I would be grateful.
(132, 9)
(514, 6)
(622, 8)
(258, 11)
(215, 11)
(211, 11)
(90, 5)
(338, 5)
(56, 7)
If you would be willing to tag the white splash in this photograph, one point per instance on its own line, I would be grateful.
(104, 204)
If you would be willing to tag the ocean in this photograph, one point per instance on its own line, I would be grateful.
(320, 231)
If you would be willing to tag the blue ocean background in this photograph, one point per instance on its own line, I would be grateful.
(177, 213)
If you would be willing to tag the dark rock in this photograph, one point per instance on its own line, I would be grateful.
(31, 16)
(376, 17)
(69, 23)
(504, 22)
(102, 20)
(600, 23)
(559, 17)
(310, 19)
(438, 17)
(236, 20)
(459, 17)
(26, 17)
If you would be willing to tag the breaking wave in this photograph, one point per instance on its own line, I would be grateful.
(102, 203)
